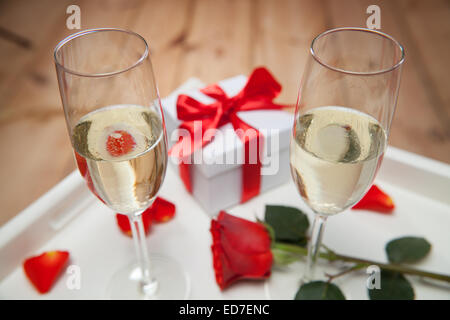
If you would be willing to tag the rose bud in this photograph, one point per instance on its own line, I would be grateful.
(241, 249)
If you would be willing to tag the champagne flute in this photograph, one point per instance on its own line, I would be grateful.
(344, 111)
(116, 125)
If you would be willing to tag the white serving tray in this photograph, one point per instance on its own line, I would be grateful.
(69, 218)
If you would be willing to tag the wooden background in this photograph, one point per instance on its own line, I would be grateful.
(209, 39)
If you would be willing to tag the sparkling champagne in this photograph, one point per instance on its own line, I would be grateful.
(121, 152)
(335, 154)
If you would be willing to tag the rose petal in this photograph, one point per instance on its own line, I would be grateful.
(255, 233)
(124, 223)
(44, 269)
(162, 210)
(241, 250)
(375, 200)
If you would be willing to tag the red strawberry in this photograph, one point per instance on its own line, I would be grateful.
(124, 223)
(162, 210)
(43, 270)
(376, 200)
(120, 143)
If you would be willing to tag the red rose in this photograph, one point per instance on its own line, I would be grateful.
(241, 249)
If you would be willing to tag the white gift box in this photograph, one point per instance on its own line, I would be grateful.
(216, 174)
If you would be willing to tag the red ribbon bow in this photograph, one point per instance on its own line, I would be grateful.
(258, 93)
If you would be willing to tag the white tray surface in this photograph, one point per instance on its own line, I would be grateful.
(99, 248)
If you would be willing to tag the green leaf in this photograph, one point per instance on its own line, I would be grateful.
(319, 290)
(407, 249)
(394, 286)
(268, 228)
(282, 257)
(289, 224)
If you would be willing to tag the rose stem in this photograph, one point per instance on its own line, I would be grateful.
(332, 256)
(331, 277)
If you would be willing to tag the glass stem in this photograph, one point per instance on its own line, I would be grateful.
(314, 245)
(148, 285)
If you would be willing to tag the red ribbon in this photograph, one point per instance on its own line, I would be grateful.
(258, 93)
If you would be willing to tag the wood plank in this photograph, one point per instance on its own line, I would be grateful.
(428, 28)
(32, 21)
(32, 125)
(165, 25)
(218, 41)
(282, 37)
(416, 126)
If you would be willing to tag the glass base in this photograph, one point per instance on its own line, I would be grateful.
(170, 281)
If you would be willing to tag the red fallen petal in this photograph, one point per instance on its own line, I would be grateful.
(43, 270)
(241, 250)
(162, 210)
(120, 143)
(376, 200)
(124, 223)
